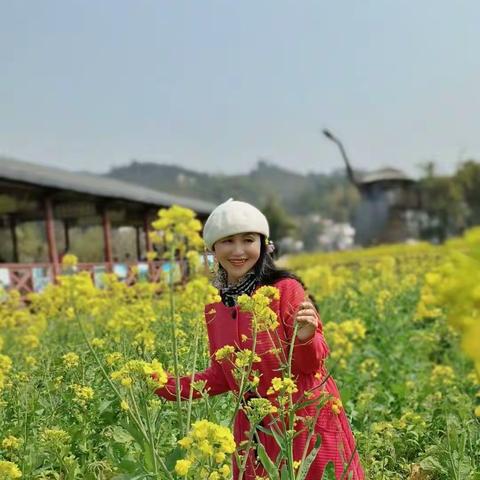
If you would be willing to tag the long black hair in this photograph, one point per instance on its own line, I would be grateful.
(268, 273)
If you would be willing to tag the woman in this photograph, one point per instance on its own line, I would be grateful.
(237, 233)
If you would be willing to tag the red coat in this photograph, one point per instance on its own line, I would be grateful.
(229, 326)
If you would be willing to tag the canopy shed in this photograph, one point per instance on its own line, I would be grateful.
(32, 192)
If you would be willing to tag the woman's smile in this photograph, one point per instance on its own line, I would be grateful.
(237, 262)
(238, 254)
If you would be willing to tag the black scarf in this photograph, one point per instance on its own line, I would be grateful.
(246, 285)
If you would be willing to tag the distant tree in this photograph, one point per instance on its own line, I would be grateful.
(281, 224)
(468, 179)
(443, 201)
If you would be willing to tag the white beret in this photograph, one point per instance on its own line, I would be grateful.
(233, 217)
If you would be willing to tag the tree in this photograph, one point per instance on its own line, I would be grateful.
(468, 179)
(281, 224)
(443, 202)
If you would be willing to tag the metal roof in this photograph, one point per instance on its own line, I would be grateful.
(385, 174)
(99, 186)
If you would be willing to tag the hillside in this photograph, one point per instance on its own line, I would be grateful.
(330, 195)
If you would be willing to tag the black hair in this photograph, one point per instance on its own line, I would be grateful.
(265, 269)
(268, 273)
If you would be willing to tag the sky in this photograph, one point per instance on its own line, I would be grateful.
(215, 85)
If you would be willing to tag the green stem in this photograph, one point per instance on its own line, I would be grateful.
(291, 416)
(174, 344)
(245, 374)
(243, 465)
(152, 440)
(190, 397)
(310, 435)
(135, 420)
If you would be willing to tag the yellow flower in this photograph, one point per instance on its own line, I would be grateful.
(112, 358)
(285, 385)
(182, 467)
(220, 457)
(29, 341)
(224, 352)
(82, 394)
(336, 406)
(245, 357)
(225, 470)
(98, 342)
(70, 359)
(55, 437)
(124, 405)
(11, 443)
(263, 317)
(185, 442)
(126, 381)
(151, 255)
(30, 360)
(69, 260)
(442, 375)
(258, 408)
(9, 470)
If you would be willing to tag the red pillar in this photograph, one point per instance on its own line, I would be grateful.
(137, 242)
(50, 230)
(146, 229)
(66, 231)
(13, 232)
(107, 239)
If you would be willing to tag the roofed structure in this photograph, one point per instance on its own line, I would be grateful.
(34, 181)
(385, 175)
(31, 192)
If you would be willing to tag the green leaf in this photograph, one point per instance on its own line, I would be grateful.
(284, 473)
(172, 458)
(305, 466)
(121, 436)
(148, 457)
(329, 472)
(104, 405)
(267, 462)
(136, 434)
(279, 439)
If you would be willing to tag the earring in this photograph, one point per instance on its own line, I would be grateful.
(270, 247)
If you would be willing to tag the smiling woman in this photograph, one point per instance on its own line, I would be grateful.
(238, 254)
(266, 320)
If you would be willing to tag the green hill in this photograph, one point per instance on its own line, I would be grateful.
(330, 195)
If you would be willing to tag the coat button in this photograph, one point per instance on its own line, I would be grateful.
(234, 313)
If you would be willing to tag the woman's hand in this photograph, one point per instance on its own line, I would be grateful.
(307, 318)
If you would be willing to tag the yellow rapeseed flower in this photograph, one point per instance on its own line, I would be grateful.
(9, 470)
(70, 359)
(182, 467)
(224, 352)
(11, 443)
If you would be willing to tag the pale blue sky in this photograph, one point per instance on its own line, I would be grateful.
(213, 85)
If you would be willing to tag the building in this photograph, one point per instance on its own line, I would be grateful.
(31, 192)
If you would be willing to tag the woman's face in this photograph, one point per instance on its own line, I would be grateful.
(237, 254)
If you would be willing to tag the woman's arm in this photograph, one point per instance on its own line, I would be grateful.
(213, 376)
(308, 354)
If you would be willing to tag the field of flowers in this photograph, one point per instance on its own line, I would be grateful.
(402, 323)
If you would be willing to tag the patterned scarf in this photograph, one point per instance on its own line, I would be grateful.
(230, 293)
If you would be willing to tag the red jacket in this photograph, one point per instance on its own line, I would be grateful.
(229, 326)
